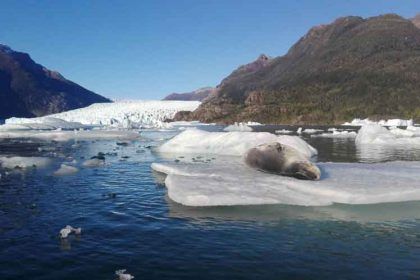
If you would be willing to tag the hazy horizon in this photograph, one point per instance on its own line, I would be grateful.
(150, 49)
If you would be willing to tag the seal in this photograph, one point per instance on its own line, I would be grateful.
(283, 160)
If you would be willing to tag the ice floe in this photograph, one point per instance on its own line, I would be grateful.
(377, 134)
(122, 275)
(24, 162)
(66, 170)
(64, 232)
(122, 114)
(65, 135)
(233, 183)
(196, 141)
(390, 122)
(238, 127)
(283, 131)
(337, 134)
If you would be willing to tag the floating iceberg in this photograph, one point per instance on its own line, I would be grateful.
(123, 114)
(337, 134)
(24, 162)
(233, 183)
(283, 131)
(65, 170)
(238, 127)
(64, 232)
(195, 141)
(377, 134)
(65, 135)
(390, 122)
(312, 130)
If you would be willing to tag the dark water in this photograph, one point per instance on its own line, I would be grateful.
(128, 222)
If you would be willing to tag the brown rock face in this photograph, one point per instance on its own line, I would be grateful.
(197, 95)
(353, 67)
(28, 89)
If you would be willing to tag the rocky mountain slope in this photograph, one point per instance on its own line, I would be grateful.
(28, 89)
(353, 67)
(197, 95)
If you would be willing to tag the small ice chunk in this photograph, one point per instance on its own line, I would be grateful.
(238, 127)
(64, 232)
(122, 275)
(337, 134)
(283, 131)
(311, 130)
(24, 162)
(95, 162)
(66, 170)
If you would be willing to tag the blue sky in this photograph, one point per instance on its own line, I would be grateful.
(148, 49)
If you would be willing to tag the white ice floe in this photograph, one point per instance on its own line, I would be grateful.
(64, 232)
(24, 162)
(390, 122)
(195, 141)
(94, 162)
(45, 123)
(376, 134)
(311, 130)
(233, 183)
(283, 131)
(66, 170)
(123, 114)
(238, 127)
(337, 134)
(62, 135)
(122, 275)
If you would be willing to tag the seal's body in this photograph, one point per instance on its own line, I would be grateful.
(281, 159)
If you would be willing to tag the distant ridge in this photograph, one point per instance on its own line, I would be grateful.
(353, 67)
(28, 89)
(197, 95)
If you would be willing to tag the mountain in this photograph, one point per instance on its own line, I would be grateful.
(197, 95)
(353, 67)
(28, 89)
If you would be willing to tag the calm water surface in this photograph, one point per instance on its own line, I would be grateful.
(128, 222)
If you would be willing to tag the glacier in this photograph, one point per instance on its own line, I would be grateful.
(121, 114)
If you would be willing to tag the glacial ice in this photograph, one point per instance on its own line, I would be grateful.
(238, 127)
(65, 170)
(337, 134)
(390, 122)
(379, 135)
(24, 162)
(65, 135)
(121, 114)
(196, 141)
(233, 183)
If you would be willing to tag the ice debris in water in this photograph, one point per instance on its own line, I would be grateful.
(64, 232)
(66, 170)
(238, 127)
(337, 134)
(24, 162)
(122, 275)
(391, 122)
(377, 134)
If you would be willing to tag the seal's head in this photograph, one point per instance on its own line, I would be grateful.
(305, 170)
